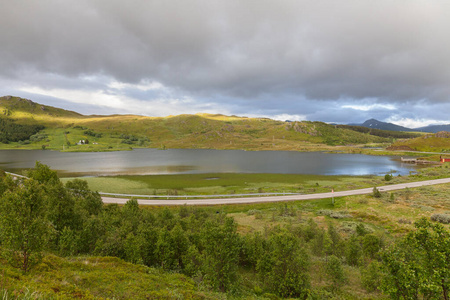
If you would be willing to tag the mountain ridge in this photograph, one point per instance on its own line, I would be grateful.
(376, 124)
(66, 130)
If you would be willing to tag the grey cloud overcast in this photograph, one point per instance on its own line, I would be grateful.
(332, 61)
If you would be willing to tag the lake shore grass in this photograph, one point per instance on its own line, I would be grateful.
(247, 183)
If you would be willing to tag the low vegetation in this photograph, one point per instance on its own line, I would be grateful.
(367, 247)
(247, 183)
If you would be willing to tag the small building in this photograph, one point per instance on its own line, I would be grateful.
(443, 160)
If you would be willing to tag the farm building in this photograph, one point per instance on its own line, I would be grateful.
(443, 160)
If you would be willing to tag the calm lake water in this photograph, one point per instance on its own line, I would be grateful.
(179, 161)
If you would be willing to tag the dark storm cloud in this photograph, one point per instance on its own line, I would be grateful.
(269, 55)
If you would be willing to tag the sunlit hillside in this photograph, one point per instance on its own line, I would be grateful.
(65, 129)
(438, 142)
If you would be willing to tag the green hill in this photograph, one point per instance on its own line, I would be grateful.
(93, 277)
(15, 106)
(64, 129)
(438, 142)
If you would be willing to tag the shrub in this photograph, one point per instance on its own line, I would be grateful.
(376, 192)
(441, 218)
(252, 212)
(334, 214)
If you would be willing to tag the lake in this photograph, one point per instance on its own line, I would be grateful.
(186, 161)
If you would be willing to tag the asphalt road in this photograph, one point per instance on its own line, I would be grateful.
(222, 201)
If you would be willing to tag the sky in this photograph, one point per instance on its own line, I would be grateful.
(336, 61)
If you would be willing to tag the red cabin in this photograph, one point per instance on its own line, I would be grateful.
(443, 160)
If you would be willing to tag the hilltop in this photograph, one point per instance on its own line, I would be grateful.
(15, 105)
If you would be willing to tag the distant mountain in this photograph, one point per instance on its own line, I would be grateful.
(434, 128)
(372, 123)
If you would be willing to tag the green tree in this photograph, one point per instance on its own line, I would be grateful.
(417, 265)
(402, 275)
(60, 207)
(252, 249)
(87, 202)
(221, 253)
(42, 173)
(284, 266)
(131, 248)
(68, 242)
(376, 192)
(371, 244)
(24, 228)
(335, 272)
(353, 251)
(432, 245)
(371, 276)
(336, 246)
(148, 237)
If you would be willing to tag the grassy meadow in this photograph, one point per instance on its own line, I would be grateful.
(245, 183)
(223, 183)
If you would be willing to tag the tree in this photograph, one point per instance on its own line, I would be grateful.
(284, 266)
(60, 207)
(68, 241)
(87, 202)
(376, 192)
(353, 251)
(24, 227)
(335, 272)
(402, 275)
(371, 276)
(221, 253)
(432, 245)
(42, 173)
(418, 264)
(371, 244)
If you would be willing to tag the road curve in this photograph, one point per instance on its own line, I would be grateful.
(247, 200)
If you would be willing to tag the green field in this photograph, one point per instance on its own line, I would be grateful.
(245, 183)
(223, 183)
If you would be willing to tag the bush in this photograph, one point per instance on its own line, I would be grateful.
(334, 214)
(441, 218)
(371, 276)
(376, 193)
(335, 272)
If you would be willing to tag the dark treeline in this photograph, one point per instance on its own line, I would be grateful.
(380, 132)
(13, 132)
(40, 215)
